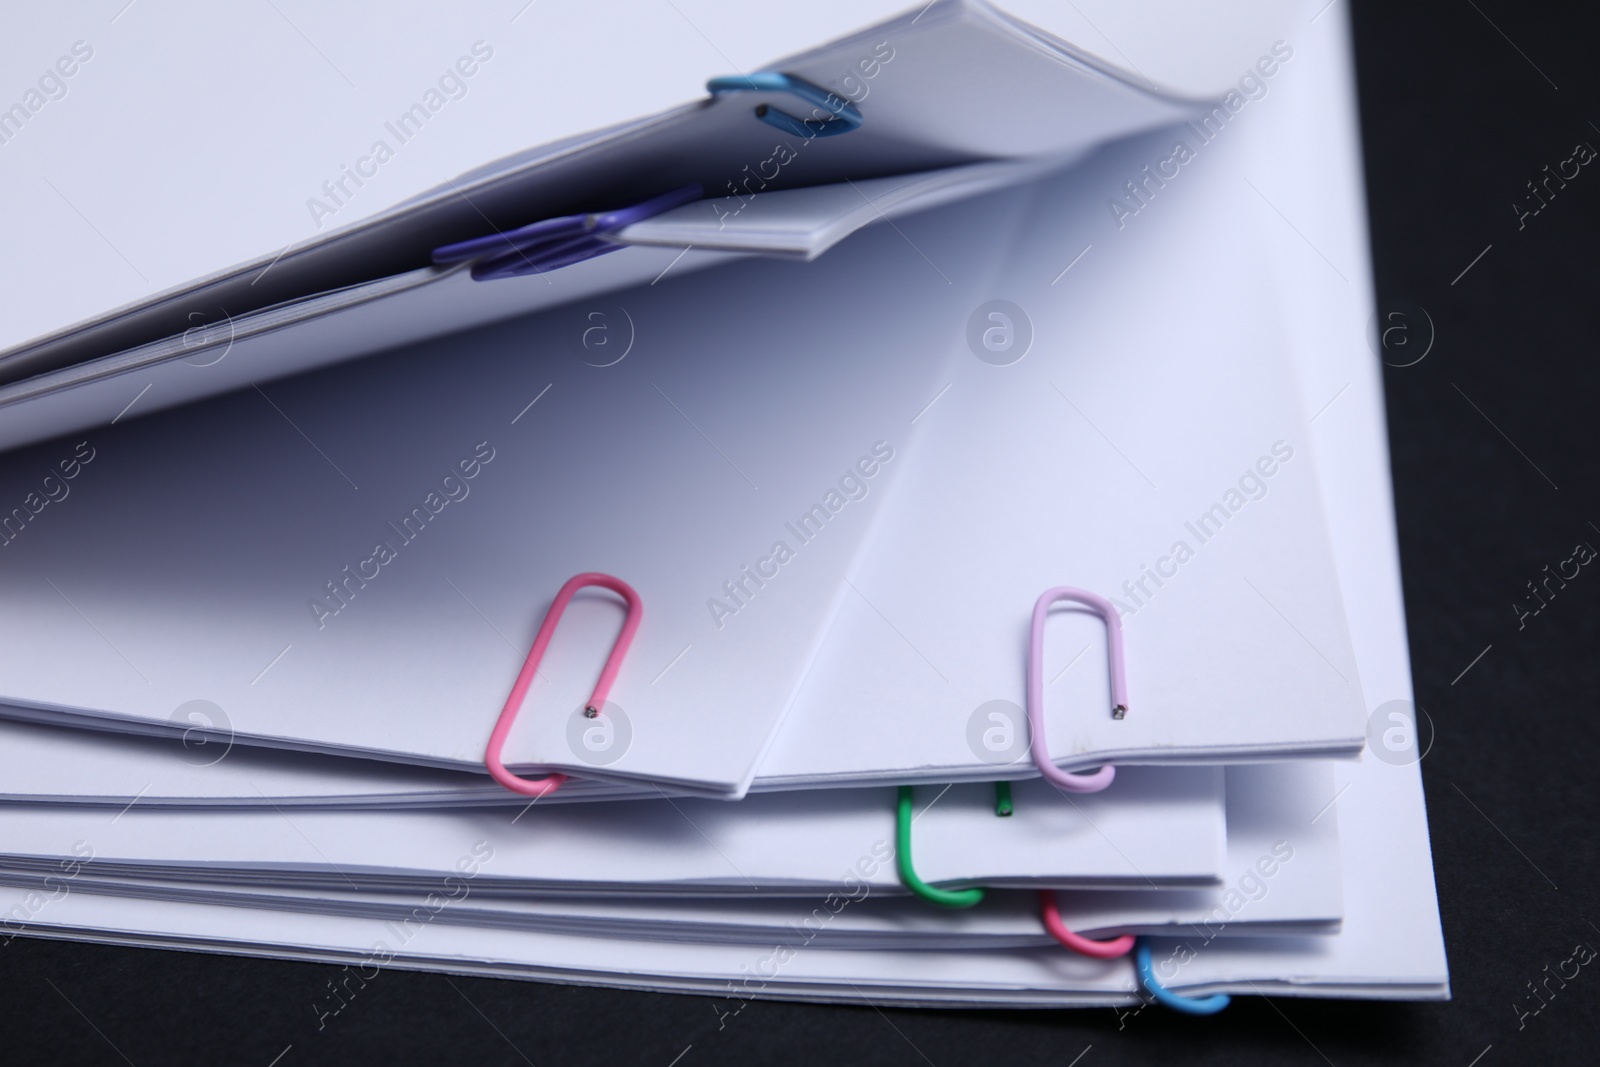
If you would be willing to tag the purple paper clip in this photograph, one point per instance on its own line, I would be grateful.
(1094, 781)
(557, 242)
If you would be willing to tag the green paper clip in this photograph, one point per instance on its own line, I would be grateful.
(944, 898)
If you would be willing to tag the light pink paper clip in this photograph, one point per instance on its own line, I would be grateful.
(1073, 783)
(508, 715)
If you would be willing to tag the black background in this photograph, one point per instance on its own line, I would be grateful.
(1494, 449)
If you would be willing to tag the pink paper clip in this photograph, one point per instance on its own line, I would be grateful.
(1050, 913)
(1073, 783)
(508, 715)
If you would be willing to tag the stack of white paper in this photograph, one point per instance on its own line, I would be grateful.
(839, 426)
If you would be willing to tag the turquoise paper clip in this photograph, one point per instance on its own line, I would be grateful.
(843, 115)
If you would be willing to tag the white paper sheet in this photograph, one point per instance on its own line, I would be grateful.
(920, 118)
(1159, 827)
(1149, 446)
(673, 464)
(1270, 885)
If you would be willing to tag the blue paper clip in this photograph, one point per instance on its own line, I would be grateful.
(1188, 1005)
(845, 116)
(554, 243)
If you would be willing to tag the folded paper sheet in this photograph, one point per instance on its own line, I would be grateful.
(381, 539)
(920, 118)
(739, 590)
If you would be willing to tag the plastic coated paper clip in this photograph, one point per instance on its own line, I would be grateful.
(508, 715)
(1188, 1005)
(843, 116)
(1050, 915)
(559, 242)
(944, 898)
(1074, 783)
